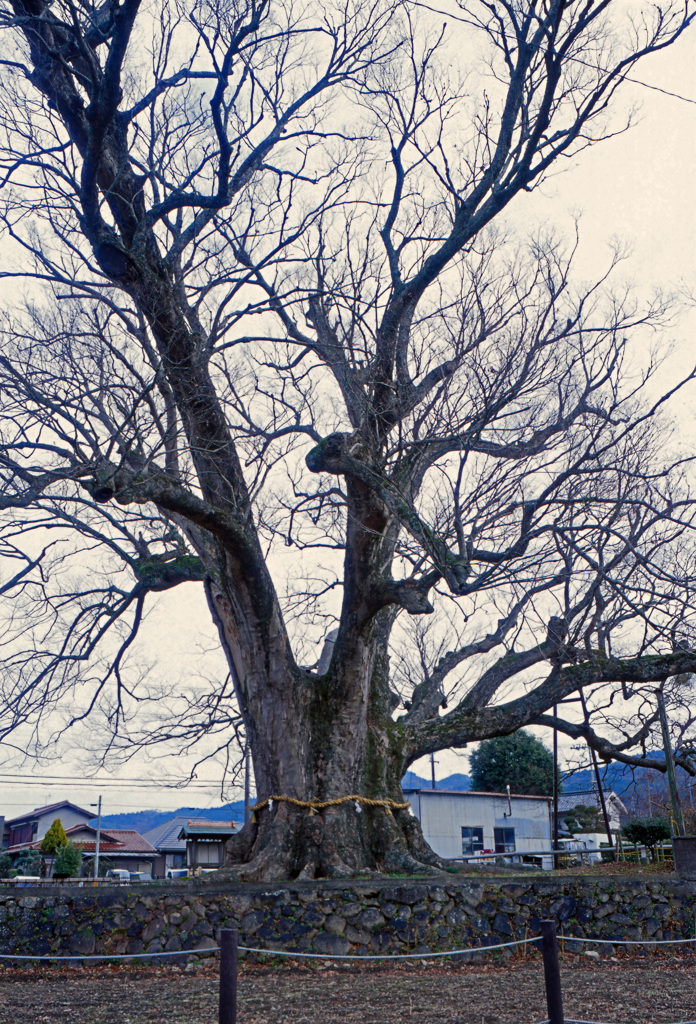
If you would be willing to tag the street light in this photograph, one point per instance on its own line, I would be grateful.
(96, 856)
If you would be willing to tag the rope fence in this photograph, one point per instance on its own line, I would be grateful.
(293, 954)
(229, 949)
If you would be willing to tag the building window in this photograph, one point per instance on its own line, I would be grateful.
(21, 834)
(504, 840)
(472, 841)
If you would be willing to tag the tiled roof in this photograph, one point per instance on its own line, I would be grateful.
(197, 827)
(132, 841)
(106, 833)
(47, 809)
(125, 842)
(117, 850)
(588, 798)
(166, 836)
(112, 848)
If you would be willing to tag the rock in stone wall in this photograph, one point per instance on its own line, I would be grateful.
(354, 918)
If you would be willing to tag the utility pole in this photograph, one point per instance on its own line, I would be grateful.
(554, 790)
(600, 790)
(246, 783)
(432, 770)
(669, 759)
(96, 854)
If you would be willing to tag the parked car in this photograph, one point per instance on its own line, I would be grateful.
(177, 873)
(118, 875)
(140, 876)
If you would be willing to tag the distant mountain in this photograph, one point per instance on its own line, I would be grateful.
(622, 778)
(143, 821)
(413, 781)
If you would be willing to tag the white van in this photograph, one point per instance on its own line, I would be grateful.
(118, 875)
(140, 876)
(177, 873)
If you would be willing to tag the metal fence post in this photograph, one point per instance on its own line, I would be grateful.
(228, 976)
(552, 972)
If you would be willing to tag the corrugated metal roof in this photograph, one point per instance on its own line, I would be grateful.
(471, 792)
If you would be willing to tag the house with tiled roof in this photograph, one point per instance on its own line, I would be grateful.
(126, 848)
(171, 850)
(26, 829)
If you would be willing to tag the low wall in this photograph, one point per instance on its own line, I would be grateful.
(357, 918)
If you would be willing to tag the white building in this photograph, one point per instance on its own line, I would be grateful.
(462, 824)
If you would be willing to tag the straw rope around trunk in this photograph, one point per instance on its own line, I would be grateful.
(320, 805)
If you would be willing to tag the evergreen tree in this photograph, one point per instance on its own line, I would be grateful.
(647, 832)
(68, 861)
(54, 839)
(519, 761)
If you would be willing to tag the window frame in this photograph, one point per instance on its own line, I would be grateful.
(475, 843)
(503, 843)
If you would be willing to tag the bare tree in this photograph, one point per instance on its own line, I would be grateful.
(266, 306)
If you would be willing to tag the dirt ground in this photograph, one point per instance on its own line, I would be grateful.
(654, 989)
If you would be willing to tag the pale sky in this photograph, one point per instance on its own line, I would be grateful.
(638, 187)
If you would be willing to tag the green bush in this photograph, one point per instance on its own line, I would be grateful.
(584, 818)
(28, 863)
(5, 865)
(68, 861)
(647, 832)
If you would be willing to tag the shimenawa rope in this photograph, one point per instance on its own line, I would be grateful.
(320, 805)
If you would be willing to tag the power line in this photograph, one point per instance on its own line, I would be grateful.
(90, 783)
(11, 777)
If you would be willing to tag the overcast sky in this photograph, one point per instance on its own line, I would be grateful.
(638, 187)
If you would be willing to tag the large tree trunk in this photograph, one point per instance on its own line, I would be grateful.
(316, 738)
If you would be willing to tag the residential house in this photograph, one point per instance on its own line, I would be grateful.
(126, 848)
(171, 850)
(461, 823)
(29, 829)
(205, 842)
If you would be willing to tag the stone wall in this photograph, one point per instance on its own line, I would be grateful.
(352, 918)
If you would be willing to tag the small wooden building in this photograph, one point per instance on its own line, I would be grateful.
(205, 843)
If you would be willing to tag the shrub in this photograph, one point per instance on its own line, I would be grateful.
(54, 839)
(28, 863)
(584, 818)
(5, 865)
(647, 832)
(68, 861)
